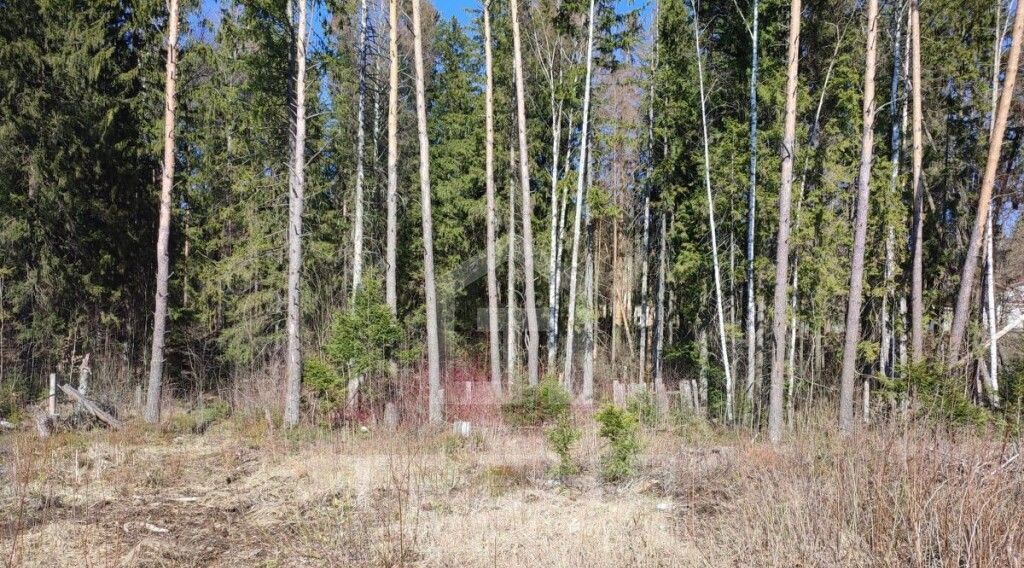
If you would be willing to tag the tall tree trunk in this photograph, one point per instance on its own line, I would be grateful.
(589, 327)
(436, 403)
(711, 222)
(659, 321)
(702, 364)
(992, 317)
(533, 341)
(752, 211)
(791, 367)
(995, 147)
(297, 187)
(860, 230)
(990, 311)
(917, 226)
(391, 248)
(357, 217)
(644, 278)
(492, 255)
(898, 118)
(156, 356)
(510, 275)
(556, 128)
(570, 326)
(788, 151)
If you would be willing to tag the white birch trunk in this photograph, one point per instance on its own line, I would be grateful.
(714, 229)
(510, 292)
(589, 328)
(570, 327)
(357, 217)
(556, 127)
(391, 246)
(751, 315)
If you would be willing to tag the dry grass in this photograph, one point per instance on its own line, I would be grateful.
(244, 495)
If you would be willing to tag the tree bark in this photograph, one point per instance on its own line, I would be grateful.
(897, 115)
(510, 275)
(492, 255)
(995, 147)
(570, 326)
(297, 187)
(391, 248)
(644, 278)
(533, 339)
(788, 151)
(714, 230)
(992, 383)
(556, 124)
(156, 361)
(436, 396)
(752, 212)
(860, 231)
(917, 226)
(357, 217)
(659, 319)
(589, 327)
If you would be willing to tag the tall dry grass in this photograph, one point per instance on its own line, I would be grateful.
(903, 494)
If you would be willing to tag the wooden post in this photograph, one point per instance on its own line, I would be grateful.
(52, 399)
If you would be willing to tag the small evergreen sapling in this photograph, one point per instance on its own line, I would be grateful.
(620, 429)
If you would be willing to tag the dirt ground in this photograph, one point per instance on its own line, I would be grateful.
(243, 495)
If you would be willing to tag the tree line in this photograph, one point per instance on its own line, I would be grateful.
(763, 205)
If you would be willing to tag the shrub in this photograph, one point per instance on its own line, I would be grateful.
(939, 395)
(620, 430)
(13, 398)
(199, 419)
(644, 406)
(537, 405)
(561, 437)
(361, 338)
(359, 343)
(325, 384)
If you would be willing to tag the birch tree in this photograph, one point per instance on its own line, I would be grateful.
(898, 119)
(511, 332)
(156, 357)
(391, 237)
(589, 325)
(357, 216)
(751, 313)
(570, 326)
(963, 300)
(296, 191)
(436, 400)
(852, 339)
(788, 152)
(726, 367)
(533, 339)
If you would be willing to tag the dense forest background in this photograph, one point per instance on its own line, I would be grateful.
(81, 119)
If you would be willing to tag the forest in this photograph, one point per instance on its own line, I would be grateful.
(640, 265)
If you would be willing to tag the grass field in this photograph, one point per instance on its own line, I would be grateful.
(246, 494)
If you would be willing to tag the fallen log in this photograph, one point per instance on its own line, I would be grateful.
(92, 407)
